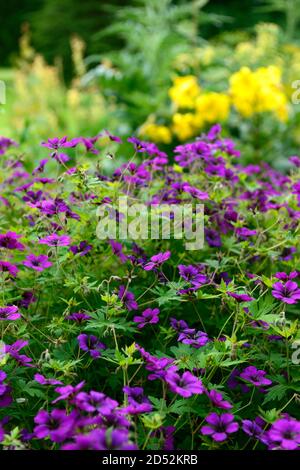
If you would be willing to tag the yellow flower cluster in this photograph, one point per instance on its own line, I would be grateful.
(250, 92)
(258, 91)
(156, 132)
(184, 91)
(207, 107)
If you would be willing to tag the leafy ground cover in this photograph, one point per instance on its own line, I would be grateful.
(124, 344)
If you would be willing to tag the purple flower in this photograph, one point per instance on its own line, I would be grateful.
(27, 299)
(57, 425)
(243, 233)
(68, 392)
(102, 439)
(117, 250)
(39, 378)
(191, 274)
(137, 402)
(284, 434)
(157, 260)
(287, 253)
(219, 426)
(213, 238)
(185, 385)
(295, 160)
(38, 263)
(149, 316)
(112, 137)
(9, 240)
(11, 312)
(196, 339)
(56, 143)
(82, 249)
(289, 293)
(255, 377)
(240, 297)
(5, 143)
(91, 344)
(181, 326)
(55, 240)
(14, 349)
(282, 276)
(5, 391)
(78, 317)
(196, 193)
(41, 166)
(95, 402)
(127, 298)
(253, 428)
(9, 268)
(218, 401)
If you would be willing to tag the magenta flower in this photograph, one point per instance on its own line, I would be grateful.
(284, 434)
(39, 378)
(282, 276)
(289, 293)
(5, 391)
(185, 385)
(41, 166)
(113, 138)
(127, 298)
(192, 274)
(213, 238)
(95, 402)
(57, 425)
(219, 426)
(55, 240)
(38, 263)
(149, 316)
(5, 143)
(157, 260)
(9, 240)
(295, 160)
(253, 428)
(91, 344)
(11, 312)
(243, 233)
(196, 339)
(9, 268)
(240, 297)
(56, 143)
(14, 351)
(196, 193)
(101, 439)
(217, 400)
(117, 250)
(82, 249)
(137, 402)
(255, 377)
(78, 317)
(68, 392)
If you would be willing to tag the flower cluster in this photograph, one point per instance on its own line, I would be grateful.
(141, 343)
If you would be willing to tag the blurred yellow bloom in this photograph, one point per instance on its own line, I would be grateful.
(213, 107)
(184, 91)
(184, 125)
(259, 91)
(156, 132)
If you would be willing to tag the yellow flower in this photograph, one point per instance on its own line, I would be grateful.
(259, 91)
(156, 132)
(213, 107)
(184, 91)
(184, 125)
